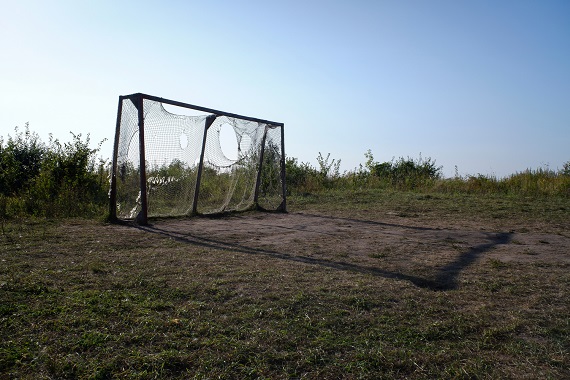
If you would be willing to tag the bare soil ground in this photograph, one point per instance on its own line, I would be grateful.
(435, 256)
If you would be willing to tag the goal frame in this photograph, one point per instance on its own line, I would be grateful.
(138, 101)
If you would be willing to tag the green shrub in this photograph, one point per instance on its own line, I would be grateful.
(57, 180)
(20, 161)
(300, 177)
(404, 173)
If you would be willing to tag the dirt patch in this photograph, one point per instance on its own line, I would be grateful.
(434, 257)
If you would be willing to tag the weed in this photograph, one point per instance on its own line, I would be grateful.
(497, 264)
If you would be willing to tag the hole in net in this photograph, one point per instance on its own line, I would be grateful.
(228, 141)
(183, 111)
(183, 139)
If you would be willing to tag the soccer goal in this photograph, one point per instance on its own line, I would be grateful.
(174, 164)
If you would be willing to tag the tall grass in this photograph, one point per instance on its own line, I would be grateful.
(67, 179)
(531, 182)
(423, 175)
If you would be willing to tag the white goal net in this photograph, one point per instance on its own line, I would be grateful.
(167, 164)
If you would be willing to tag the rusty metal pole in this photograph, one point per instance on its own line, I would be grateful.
(142, 217)
(283, 206)
(113, 190)
(209, 121)
(259, 168)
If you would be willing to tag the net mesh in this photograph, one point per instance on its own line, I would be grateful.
(172, 151)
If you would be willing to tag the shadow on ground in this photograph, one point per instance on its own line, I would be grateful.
(446, 277)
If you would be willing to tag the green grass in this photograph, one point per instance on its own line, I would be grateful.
(82, 299)
(514, 211)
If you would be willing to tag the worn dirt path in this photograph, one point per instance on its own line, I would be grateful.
(436, 257)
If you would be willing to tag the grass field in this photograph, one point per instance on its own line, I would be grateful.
(371, 284)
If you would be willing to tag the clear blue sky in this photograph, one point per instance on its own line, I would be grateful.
(484, 85)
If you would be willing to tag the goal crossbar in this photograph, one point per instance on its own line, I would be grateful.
(199, 108)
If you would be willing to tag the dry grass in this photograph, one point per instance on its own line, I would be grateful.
(348, 285)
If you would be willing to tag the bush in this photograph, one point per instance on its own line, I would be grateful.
(20, 161)
(302, 178)
(406, 174)
(53, 180)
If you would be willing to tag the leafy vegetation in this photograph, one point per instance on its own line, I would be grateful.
(53, 180)
(421, 175)
(67, 180)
